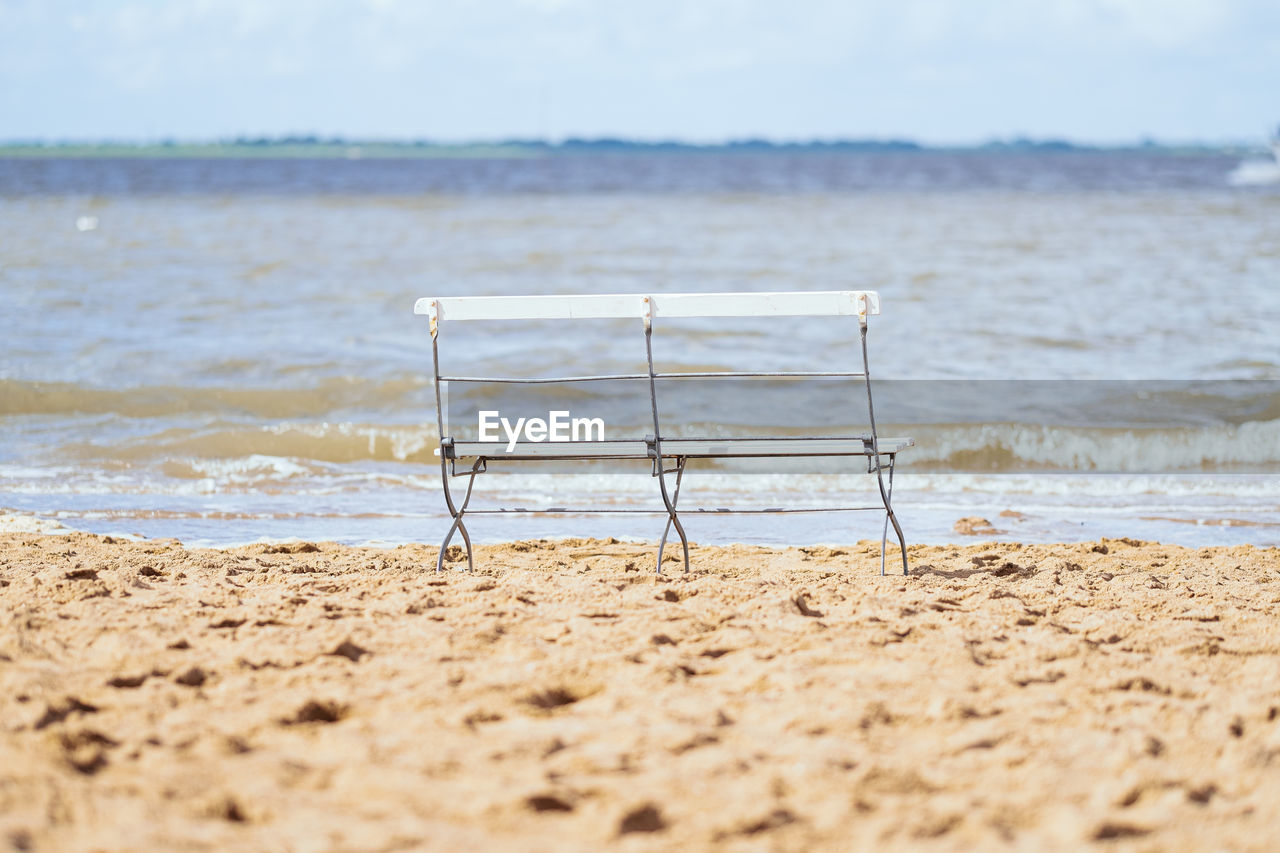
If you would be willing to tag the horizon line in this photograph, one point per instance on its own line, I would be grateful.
(611, 141)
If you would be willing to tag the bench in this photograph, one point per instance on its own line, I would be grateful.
(667, 454)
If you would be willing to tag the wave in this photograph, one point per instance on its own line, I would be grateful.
(762, 402)
(974, 426)
(322, 442)
(184, 453)
(1248, 447)
(19, 397)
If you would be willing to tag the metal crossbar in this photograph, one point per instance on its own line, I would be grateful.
(657, 448)
(705, 374)
(723, 510)
(690, 448)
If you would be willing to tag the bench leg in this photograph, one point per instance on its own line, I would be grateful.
(672, 518)
(457, 512)
(887, 496)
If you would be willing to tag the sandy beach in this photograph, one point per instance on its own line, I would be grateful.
(321, 697)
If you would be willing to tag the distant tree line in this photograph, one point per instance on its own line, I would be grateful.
(618, 144)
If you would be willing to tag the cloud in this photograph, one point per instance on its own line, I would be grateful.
(656, 68)
(1169, 25)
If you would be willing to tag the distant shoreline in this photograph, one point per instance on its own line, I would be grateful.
(339, 149)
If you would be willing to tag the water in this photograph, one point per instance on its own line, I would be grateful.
(225, 350)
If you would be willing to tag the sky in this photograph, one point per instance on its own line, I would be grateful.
(939, 71)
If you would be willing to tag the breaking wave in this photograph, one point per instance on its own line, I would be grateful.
(19, 397)
(1248, 447)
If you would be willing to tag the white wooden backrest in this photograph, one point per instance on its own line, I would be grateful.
(813, 303)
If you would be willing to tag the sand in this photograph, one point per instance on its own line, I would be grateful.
(1116, 695)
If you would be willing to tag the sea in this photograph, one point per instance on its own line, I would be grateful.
(1083, 344)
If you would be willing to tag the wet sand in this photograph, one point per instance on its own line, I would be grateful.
(1114, 695)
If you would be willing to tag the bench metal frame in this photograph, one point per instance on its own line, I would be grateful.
(881, 453)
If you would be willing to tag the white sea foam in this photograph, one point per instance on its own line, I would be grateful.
(1084, 485)
(1254, 173)
(250, 468)
(21, 522)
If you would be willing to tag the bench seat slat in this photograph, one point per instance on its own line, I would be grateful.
(693, 448)
(814, 303)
